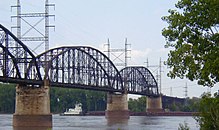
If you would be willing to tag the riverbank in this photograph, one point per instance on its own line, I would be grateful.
(102, 113)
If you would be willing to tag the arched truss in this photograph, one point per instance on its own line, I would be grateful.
(139, 80)
(14, 59)
(79, 67)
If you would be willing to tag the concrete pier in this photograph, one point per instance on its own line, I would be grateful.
(154, 104)
(32, 107)
(117, 106)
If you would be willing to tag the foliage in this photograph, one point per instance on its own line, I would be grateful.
(137, 105)
(60, 99)
(63, 98)
(189, 105)
(183, 126)
(192, 33)
(7, 98)
(209, 112)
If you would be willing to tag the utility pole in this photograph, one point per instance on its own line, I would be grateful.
(29, 30)
(116, 55)
(160, 73)
(147, 63)
(158, 68)
(186, 94)
(186, 90)
(171, 92)
(27, 27)
(18, 27)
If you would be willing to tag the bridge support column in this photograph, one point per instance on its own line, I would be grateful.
(32, 107)
(154, 104)
(117, 107)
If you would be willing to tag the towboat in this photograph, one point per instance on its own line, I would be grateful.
(77, 111)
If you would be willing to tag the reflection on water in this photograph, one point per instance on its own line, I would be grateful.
(100, 123)
(115, 121)
(32, 128)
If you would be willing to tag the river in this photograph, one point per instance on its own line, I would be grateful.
(100, 123)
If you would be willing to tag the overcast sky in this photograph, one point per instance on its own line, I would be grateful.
(92, 22)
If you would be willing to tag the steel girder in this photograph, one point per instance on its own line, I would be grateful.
(139, 80)
(79, 67)
(15, 58)
(74, 67)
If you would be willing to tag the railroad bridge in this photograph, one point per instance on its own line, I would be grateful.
(79, 67)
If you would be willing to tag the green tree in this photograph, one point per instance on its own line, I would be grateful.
(209, 112)
(64, 98)
(192, 33)
(7, 98)
(60, 99)
(137, 105)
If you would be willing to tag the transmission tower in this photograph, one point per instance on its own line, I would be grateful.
(186, 90)
(118, 56)
(158, 69)
(171, 91)
(28, 29)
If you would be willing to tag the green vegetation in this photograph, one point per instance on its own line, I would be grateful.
(209, 112)
(60, 99)
(7, 98)
(137, 105)
(183, 126)
(63, 98)
(192, 34)
(190, 105)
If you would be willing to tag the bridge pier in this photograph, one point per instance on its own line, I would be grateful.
(32, 107)
(117, 108)
(154, 104)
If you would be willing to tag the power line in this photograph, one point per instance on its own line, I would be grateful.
(31, 33)
(118, 56)
(159, 70)
(186, 90)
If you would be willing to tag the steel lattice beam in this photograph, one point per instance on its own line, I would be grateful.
(80, 66)
(13, 63)
(72, 67)
(139, 80)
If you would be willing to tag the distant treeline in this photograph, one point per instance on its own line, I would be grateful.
(60, 99)
(63, 98)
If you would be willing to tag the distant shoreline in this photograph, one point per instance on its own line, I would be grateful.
(102, 113)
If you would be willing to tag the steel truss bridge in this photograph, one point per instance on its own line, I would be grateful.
(70, 67)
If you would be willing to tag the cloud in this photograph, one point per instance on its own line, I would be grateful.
(141, 53)
(139, 56)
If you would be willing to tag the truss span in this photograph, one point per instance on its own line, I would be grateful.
(73, 67)
(79, 67)
(139, 80)
(15, 58)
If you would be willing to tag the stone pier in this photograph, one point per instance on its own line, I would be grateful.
(32, 107)
(117, 107)
(154, 104)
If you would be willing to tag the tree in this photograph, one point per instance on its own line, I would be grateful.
(7, 98)
(192, 32)
(137, 105)
(64, 98)
(209, 112)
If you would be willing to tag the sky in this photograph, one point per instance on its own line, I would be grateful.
(92, 22)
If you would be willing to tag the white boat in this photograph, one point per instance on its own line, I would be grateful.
(73, 111)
